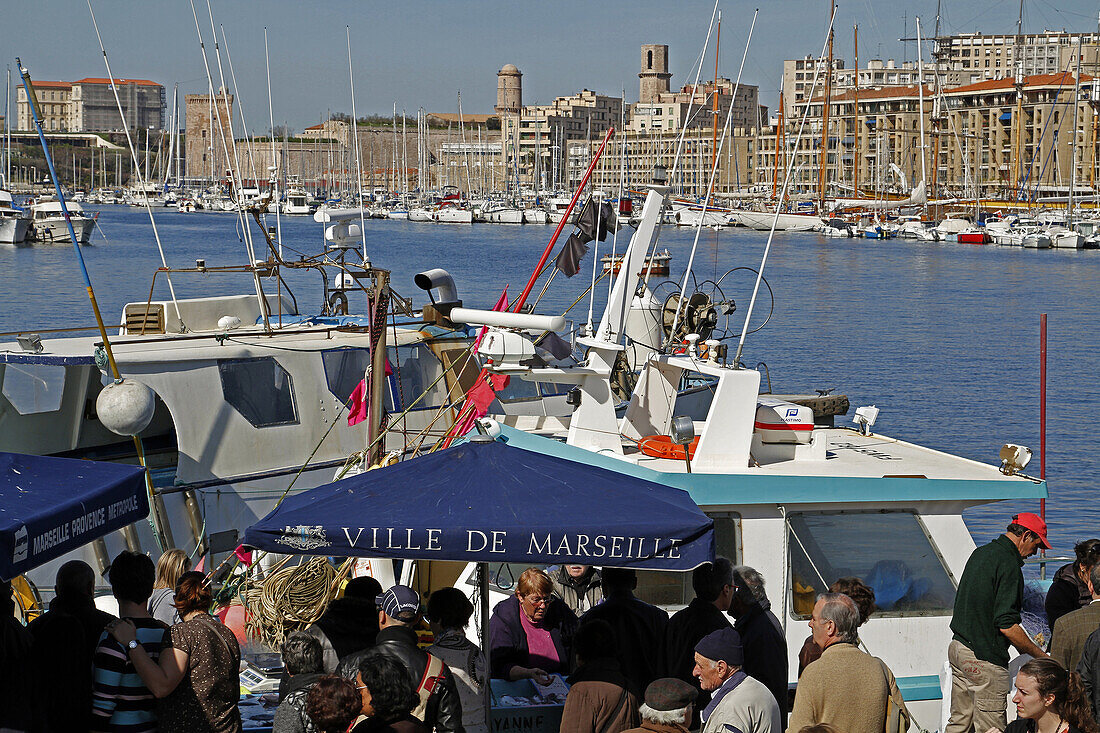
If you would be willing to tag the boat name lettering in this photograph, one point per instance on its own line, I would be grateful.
(865, 450)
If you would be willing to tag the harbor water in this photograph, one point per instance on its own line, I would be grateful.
(942, 337)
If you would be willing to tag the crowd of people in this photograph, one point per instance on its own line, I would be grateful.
(380, 660)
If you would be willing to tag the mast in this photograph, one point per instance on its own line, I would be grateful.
(714, 105)
(7, 133)
(823, 161)
(778, 145)
(1073, 142)
(274, 164)
(920, 93)
(855, 114)
(1019, 122)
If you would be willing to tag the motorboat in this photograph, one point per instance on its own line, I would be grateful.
(973, 235)
(535, 215)
(296, 203)
(48, 222)
(13, 221)
(503, 214)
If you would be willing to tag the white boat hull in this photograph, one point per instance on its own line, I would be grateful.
(54, 230)
(454, 216)
(535, 216)
(505, 216)
(420, 215)
(13, 229)
(762, 220)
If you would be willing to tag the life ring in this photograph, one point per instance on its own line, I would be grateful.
(661, 446)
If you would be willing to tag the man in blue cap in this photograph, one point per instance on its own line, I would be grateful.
(398, 611)
(739, 703)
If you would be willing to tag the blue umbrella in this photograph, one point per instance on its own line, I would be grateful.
(489, 502)
(51, 506)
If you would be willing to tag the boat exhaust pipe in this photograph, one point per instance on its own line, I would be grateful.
(442, 282)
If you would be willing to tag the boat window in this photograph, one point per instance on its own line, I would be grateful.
(33, 388)
(672, 589)
(260, 389)
(345, 368)
(519, 390)
(894, 555)
(418, 370)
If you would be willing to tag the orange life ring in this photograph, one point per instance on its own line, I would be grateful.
(661, 446)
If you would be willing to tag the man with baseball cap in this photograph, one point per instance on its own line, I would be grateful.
(739, 701)
(985, 621)
(398, 611)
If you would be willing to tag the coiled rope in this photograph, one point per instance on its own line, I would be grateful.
(291, 598)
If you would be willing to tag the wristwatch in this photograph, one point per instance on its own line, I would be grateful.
(132, 644)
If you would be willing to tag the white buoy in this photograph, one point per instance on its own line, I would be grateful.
(126, 407)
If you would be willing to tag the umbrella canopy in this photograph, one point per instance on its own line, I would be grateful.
(489, 502)
(51, 506)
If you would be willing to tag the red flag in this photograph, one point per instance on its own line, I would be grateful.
(243, 555)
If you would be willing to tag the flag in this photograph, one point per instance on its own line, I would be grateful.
(357, 410)
(595, 221)
(243, 555)
(569, 258)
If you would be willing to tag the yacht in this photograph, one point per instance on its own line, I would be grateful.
(48, 222)
(296, 203)
(13, 221)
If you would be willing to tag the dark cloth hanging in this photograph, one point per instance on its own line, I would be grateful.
(569, 259)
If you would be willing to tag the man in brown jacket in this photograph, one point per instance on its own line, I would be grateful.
(600, 698)
(667, 707)
(1072, 630)
(846, 688)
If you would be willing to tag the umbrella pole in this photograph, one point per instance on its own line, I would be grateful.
(487, 690)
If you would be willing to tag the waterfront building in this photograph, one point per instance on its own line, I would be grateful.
(209, 135)
(640, 152)
(54, 103)
(976, 140)
(93, 107)
(969, 58)
(799, 76)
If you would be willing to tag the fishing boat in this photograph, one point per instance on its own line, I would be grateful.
(48, 222)
(249, 394)
(793, 493)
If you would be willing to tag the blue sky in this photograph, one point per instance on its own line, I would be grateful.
(421, 53)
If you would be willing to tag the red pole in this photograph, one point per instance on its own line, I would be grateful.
(561, 225)
(1043, 407)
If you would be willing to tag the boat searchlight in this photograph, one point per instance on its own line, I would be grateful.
(1014, 458)
(865, 417)
(682, 432)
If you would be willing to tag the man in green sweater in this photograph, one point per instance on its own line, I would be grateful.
(985, 621)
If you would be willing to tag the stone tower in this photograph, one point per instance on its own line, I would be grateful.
(509, 90)
(654, 76)
(204, 150)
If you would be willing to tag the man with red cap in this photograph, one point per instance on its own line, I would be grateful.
(985, 621)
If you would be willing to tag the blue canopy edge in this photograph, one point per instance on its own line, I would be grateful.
(52, 506)
(488, 502)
